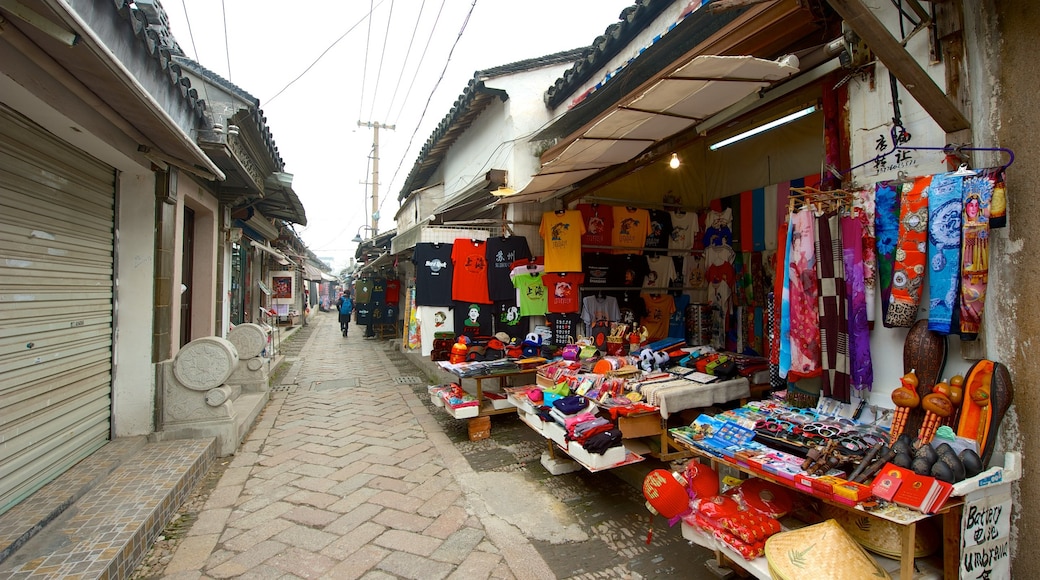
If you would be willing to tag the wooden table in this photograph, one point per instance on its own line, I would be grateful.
(950, 514)
(486, 407)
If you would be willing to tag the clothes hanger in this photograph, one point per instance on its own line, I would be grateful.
(949, 150)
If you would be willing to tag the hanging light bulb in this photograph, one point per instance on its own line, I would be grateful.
(674, 162)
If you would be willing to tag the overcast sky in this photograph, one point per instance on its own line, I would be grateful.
(269, 44)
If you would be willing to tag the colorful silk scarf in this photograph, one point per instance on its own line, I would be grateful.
(978, 194)
(805, 317)
(834, 330)
(861, 369)
(863, 211)
(998, 202)
(944, 247)
(886, 232)
(909, 269)
(784, 320)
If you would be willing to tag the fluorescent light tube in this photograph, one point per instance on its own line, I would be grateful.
(763, 128)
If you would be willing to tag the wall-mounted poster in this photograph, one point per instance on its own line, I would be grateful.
(282, 286)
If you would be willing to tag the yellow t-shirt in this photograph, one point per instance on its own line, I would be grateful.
(561, 233)
(631, 226)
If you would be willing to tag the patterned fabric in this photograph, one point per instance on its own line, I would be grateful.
(782, 322)
(861, 369)
(863, 211)
(909, 269)
(804, 304)
(886, 232)
(978, 194)
(834, 331)
(998, 201)
(944, 246)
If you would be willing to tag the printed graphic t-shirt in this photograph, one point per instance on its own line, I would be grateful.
(469, 282)
(599, 221)
(532, 292)
(561, 233)
(659, 309)
(631, 226)
(501, 253)
(433, 273)
(562, 291)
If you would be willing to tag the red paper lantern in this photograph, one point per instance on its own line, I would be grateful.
(664, 494)
(704, 481)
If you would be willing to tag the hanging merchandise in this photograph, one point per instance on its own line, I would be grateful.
(628, 271)
(508, 320)
(433, 274)
(944, 247)
(470, 271)
(886, 231)
(598, 312)
(909, 268)
(661, 272)
(834, 339)
(863, 211)
(533, 299)
(532, 265)
(978, 194)
(631, 226)
(561, 233)
(597, 268)
(803, 308)
(473, 319)
(660, 230)
(861, 370)
(684, 229)
(562, 291)
(501, 253)
(599, 221)
(659, 309)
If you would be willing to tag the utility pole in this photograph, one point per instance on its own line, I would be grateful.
(375, 170)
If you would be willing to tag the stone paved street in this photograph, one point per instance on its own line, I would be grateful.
(351, 473)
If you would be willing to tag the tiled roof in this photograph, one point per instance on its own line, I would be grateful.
(632, 21)
(152, 29)
(261, 120)
(473, 100)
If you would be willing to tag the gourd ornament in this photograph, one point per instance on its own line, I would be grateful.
(905, 398)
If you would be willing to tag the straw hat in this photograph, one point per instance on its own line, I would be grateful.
(822, 552)
(882, 536)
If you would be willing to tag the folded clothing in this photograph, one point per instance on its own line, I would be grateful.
(570, 405)
(601, 442)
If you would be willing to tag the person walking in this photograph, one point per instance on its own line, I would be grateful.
(346, 308)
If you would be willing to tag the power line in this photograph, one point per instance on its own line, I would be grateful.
(432, 92)
(364, 65)
(227, 49)
(407, 55)
(421, 59)
(194, 49)
(324, 52)
(382, 55)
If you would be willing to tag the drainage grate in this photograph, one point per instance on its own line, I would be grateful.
(335, 384)
(277, 388)
(407, 380)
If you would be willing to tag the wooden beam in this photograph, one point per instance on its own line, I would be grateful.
(723, 5)
(902, 65)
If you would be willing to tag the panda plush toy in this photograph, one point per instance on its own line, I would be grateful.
(532, 345)
(651, 360)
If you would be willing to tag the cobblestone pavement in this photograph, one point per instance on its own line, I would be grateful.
(350, 472)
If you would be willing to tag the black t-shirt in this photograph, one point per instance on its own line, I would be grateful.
(433, 273)
(508, 320)
(500, 255)
(632, 307)
(378, 291)
(564, 326)
(628, 271)
(364, 313)
(473, 319)
(597, 269)
(660, 230)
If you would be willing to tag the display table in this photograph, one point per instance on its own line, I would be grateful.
(462, 372)
(905, 518)
(679, 394)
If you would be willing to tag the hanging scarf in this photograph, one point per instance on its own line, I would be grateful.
(978, 193)
(834, 330)
(784, 338)
(863, 211)
(805, 317)
(944, 247)
(886, 231)
(861, 369)
(909, 269)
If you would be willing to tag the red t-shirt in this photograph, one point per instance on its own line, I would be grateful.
(562, 290)
(469, 282)
(393, 291)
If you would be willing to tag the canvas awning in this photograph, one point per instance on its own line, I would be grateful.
(691, 94)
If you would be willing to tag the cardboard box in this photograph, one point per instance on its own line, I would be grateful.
(636, 426)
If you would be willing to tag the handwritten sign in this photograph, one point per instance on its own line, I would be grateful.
(985, 539)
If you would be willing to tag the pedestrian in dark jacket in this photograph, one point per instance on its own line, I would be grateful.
(346, 307)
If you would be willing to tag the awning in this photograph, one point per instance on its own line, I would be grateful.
(311, 273)
(702, 87)
(470, 203)
(329, 277)
(280, 257)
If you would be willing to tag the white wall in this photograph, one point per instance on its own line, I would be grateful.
(871, 112)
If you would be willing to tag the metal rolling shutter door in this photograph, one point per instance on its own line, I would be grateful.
(56, 268)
